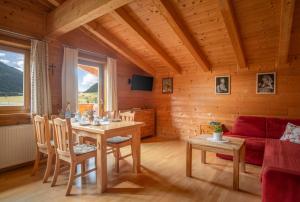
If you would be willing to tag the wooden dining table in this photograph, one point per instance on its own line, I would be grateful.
(101, 133)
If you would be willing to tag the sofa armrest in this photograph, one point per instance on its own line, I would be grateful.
(280, 186)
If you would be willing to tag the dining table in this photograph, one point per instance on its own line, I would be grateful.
(108, 130)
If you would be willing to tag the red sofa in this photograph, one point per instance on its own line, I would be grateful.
(256, 130)
(280, 173)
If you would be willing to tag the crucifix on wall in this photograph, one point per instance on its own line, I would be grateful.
(51, 68)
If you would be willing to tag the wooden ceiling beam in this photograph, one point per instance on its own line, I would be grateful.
(74, 13)
(182, 31)
(109, 51)
(232, 30)
(123, 17)
(55, 3)
(286, 22)
(99, 32)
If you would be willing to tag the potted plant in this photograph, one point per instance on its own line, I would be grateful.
(218, 131)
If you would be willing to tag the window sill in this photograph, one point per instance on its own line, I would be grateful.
(15, 119)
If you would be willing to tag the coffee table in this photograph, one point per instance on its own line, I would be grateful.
(235, 147)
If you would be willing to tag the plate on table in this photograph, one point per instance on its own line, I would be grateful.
(211, 139)
(116, 120)
(84, 123)
(104, 122)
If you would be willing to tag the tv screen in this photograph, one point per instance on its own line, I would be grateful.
(141, 83)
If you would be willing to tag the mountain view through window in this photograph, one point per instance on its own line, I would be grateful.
(11, 78)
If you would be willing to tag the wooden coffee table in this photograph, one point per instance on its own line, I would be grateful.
(235, 147)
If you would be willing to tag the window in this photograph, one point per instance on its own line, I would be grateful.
(14, 79)
(90, 85)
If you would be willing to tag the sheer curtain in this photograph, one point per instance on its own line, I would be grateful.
(40, 86)
(69, 78)
(110, 86)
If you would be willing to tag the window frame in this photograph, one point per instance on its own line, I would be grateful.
(26, 80)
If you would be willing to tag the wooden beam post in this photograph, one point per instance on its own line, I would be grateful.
(286, 22)
(55, 3)
(74, 13)
(122, 16)
(180, 28)
(117, 45)
(231, 26)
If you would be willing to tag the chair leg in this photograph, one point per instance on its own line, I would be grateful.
(36, 163)
(71, 178)
(49, 166)
(117, 158)
(56, 171)
(131, 155)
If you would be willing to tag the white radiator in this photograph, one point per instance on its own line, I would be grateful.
(17, 145)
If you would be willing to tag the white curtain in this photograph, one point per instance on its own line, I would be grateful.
(110, 86)
(40, 86)
(69, 78)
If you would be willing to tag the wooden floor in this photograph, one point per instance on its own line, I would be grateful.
(162, 179)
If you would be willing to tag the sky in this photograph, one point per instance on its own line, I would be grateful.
(12, 59)
(85, 80)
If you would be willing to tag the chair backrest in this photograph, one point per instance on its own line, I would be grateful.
(63, 139)
(110, 114)
(127, 116)
(41, 129)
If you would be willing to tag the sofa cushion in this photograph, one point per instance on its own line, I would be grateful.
(250, 126)
(276, 126)
(281, 172)
(291, 133)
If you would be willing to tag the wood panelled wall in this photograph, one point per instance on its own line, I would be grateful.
(25, 17)
(78, 39)
(194, 101)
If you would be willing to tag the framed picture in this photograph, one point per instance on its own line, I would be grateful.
(167, 85)
(266, 83)
(222, 85)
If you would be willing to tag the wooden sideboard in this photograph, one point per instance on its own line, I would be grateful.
(148, 117)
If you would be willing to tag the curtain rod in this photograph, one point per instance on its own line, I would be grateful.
(27, 37)
(87, 51)
(18, 35)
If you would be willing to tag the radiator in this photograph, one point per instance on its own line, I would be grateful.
(17, 145)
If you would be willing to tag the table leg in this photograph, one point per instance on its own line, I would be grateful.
(242, 158)
(188, 159)
(203, 157)
(236, 165)
(101, 163)
(136, 150)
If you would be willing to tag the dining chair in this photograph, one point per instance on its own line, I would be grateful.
(44, 145)
(70, 152)
(115, 144)
(118, 142)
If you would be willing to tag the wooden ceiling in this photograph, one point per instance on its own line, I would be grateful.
(173, 36)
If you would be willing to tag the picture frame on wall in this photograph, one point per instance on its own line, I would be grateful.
(167, 85)
(222, 85)
(266, 83)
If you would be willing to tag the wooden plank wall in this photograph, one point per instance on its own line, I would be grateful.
(77, 39)
(194, 101)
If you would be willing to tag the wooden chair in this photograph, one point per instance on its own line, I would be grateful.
(69, 152)
(116, 143)
(43, 144)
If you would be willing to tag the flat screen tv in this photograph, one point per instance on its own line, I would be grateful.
(139, 82)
